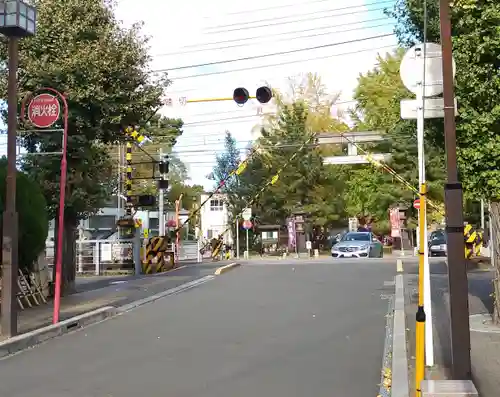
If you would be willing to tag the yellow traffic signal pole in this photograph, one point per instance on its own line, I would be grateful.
(420, 316)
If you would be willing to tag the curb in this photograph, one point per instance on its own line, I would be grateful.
(226, 268)
(400, 379)
(30, 339)
(33, 338)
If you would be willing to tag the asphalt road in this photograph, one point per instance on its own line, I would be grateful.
(281, 330)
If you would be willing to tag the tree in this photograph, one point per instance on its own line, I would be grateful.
(81, 50)
(227, 162)
(476, 49)
(378, 97)
(32, 216)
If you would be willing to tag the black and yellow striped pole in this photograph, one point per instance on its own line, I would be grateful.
(128, 179)
(420, 316)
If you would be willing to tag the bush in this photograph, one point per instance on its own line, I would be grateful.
(32, 216)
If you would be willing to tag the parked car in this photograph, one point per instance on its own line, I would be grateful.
(437, 243)
(358, 245)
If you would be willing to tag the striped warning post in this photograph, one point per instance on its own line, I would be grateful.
(156, 249)
(470, 236)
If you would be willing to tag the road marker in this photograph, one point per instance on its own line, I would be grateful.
(399, 266)
(226, 268)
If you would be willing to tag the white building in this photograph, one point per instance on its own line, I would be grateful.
(214, 217)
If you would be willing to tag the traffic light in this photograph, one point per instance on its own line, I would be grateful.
(164, 166)
(240, 95)
(263, 95)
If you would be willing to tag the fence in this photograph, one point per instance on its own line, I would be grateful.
(495, 254)
(99, 256)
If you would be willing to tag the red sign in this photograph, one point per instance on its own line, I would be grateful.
(395, 222)
(247, 225)
(44, 110)
(416, 204)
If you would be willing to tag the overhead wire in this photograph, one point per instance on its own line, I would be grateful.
(296, 21)
(277, 40)
(219, 42)
(277, 64)
(302, 14)
(278, 53)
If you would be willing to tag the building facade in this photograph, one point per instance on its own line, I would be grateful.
(214, 217)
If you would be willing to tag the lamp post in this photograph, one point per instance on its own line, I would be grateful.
(17, 20)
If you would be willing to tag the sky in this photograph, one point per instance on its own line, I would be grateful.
(343, 34)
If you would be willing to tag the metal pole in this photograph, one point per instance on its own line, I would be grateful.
(457, 274)
(62, 197)
(119, 194)
(237, 238)
(423, 246)
(492, 239)
(482, 214)
(248, 246)
(10, 226)
(161, 204)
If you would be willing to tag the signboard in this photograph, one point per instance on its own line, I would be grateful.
(433, 108)
(247, 225)
(308, 245)
(416, 204)
(395, 222)
(353, 224)
(246, 214)
(44, 110)
(291, 233)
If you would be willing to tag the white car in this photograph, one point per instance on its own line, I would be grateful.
(358, 245)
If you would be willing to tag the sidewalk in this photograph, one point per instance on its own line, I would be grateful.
(126, 290)
(485, 346)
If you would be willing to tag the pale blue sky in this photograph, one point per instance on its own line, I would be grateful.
(179, 30)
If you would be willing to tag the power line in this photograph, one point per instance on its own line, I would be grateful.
(267, 25)
(272, 8)
(280, 39)
(278, 64)
(274, 35)
(302, 14)
(249, 58)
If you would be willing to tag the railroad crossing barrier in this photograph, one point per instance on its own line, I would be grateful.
(474, 240)
(159, 255)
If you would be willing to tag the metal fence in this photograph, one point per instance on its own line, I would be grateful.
(98, 256)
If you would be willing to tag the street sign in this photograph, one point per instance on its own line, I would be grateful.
(416, 204)
(247, 214)
(247, 225)
(44, 110)
(412, 69)
(308, 245)
(433, 108)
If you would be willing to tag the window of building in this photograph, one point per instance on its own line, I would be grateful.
(102, 222)
(216, 205)
(210, 234)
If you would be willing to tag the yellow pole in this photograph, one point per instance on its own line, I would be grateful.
(420, 316)
(213, 99)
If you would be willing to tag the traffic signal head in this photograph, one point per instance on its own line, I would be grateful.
(164, 166)
(240, 95)
(264, 94)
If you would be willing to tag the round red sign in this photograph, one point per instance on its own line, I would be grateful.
(44, 110)
(416, 204)
(247, 224)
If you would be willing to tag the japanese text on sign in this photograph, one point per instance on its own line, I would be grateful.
(40, 110)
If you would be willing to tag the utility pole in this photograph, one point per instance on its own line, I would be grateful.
(457, 274)
(237, 237)
(162, 185)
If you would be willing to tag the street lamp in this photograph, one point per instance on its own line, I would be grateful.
(17, 20)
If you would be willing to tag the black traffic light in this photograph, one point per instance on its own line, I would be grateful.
(240, 95)
(162, 184)
(164, 166)
(146, 200)
(263, 95)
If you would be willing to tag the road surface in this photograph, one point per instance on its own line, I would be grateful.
(273, 330)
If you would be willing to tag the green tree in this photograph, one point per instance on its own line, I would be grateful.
(81, 50)
(32, 216)
(476, 49)
(227, 162)
(378, 97)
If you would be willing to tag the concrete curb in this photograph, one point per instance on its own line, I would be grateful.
(400, 380)
(33, 338)
(226, 268)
